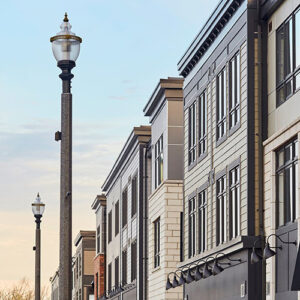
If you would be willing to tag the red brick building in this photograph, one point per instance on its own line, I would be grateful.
(99, 205)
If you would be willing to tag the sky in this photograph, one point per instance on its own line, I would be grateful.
(128, 45)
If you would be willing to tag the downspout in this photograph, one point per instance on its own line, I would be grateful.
(147, 156)
(140, 280)
(260, 144)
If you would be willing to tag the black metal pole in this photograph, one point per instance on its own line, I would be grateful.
(65, 248)
(37, 286)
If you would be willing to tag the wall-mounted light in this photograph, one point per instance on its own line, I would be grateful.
(268, 252)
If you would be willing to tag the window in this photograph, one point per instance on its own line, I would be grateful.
(79, 260)
(221, 104)
(202, 124)
(234, 202)
(109, 277)
(159, 162)
(202, 209)
(98, 239)
(109, 226)
(103, 231)
(156, 243)
(288, 58)
(221, 210)
(117, 271)
(192, 227)
(97, 285)
(133, 196)
(192, 133)
(124, 208)
(234, 91)
(77, 267)
(124, 266)
(79, 297)
(133, 261)
(287, 183)
(117, 225)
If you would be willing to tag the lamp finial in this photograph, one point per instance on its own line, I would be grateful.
(66, 18)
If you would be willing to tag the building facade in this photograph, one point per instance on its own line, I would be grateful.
(83, 266)
(126, 255)
(165, 111)
(54, 286)
(222, 195)
(281, 27)
(99, 205)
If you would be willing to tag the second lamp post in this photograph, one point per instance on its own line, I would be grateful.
(66, 48)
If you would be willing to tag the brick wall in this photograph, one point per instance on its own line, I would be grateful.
(165, 203)
(99, 267)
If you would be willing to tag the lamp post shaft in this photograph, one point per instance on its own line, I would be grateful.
(65, 250)
(37, 286)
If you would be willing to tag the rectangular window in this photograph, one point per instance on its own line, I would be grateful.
(287, 57)
(221, 210)
(110, 226)
(156, 243)
(133, 261)
(109, 277)
(98, 239)
(287, 182)
(202, 219)
(192, 227)
(192, 133)
(103, 231)
(159, 162)
(97, 286)
(124, 266)
(117, 271)
(79, 260)
(202, 123)
(234, 91)
(221, 104)
(234, 202)
(133, 196)
(124, 208)
(117, 224)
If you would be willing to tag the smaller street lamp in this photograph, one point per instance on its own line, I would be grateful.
(38, 208)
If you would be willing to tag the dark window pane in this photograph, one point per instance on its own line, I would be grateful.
(297, 80)
(289, 47)
(297, 37)
(281, 95)
(289, 88)
(280, 55)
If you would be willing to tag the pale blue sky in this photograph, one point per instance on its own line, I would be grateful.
(127, 46)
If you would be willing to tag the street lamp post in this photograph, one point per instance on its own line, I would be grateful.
(38, 208)
(66, 48)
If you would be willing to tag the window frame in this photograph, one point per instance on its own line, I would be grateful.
(134, 196)
(202, 220)
(202, 124)
(109, 238)
(124, 266)
(117, 218)
(192, 133)
(159, 161)
(98, 239)
(234, 91)
(288, 77)
(124, 207)
(192, 226)
(234, 198)
(109, 276)
(117, 263)
(221, 204)
(133, 260)
(156, 229)
(287, 165)
(221, 105)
